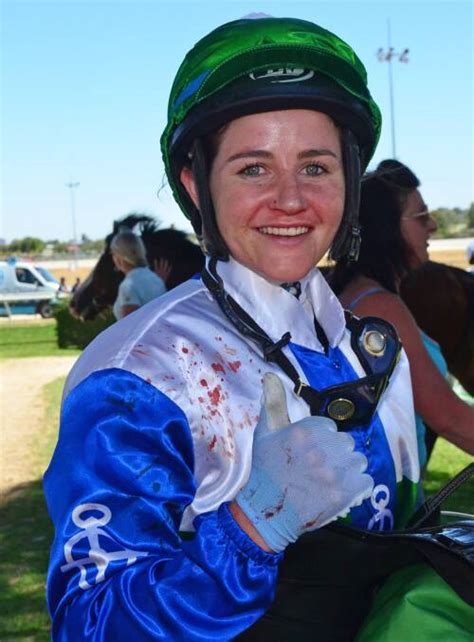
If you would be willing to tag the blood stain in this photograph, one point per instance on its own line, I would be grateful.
(234, 365)
(215, 395)
(212, 443)
(185, 350)
(217, 367)
(204, 383)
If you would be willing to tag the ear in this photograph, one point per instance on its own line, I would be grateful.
(187, 179)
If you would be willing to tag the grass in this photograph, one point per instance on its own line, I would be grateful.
(26, 532)
(25, 537)
(30, 339)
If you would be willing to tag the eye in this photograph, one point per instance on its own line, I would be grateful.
(251, 170)
(313, 169)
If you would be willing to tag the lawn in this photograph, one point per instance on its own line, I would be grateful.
(30, 339)
(26, 533)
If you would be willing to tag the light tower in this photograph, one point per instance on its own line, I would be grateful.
(388, 56)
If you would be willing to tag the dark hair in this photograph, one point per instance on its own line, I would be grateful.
(384, 254)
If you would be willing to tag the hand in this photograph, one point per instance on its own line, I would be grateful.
(304, 474)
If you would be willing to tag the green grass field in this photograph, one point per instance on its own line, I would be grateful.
(26, 533)
(30, 339)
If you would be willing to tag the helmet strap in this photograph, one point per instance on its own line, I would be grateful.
(211, 240)
(347, 240)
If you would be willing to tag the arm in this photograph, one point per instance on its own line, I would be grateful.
(117, 486)
(128, 309)
(434, 400)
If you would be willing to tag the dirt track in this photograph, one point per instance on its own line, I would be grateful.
(22, 411)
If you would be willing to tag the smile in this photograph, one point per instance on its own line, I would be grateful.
(284, 231)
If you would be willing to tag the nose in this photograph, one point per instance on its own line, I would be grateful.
(432, 224)
(289, 197)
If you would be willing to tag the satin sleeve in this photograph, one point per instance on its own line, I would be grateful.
(116, 488)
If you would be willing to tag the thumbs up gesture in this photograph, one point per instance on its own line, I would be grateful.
(303, 475)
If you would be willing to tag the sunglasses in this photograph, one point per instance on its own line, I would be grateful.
(424, 217)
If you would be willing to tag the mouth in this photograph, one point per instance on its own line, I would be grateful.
(284, 231)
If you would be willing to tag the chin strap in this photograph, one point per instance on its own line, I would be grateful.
(347, 240)
(349, 404)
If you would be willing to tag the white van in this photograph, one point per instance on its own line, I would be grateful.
(27, 289)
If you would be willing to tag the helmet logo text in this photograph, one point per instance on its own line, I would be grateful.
(283, 75)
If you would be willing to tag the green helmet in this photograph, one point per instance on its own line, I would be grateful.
(256, 65)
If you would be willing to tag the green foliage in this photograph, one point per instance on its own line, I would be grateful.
(31, 339)
(27, 245)
(470, 216)
(452, 223)
(72, 332)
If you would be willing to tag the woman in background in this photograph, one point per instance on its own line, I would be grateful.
(140, 284)
(396, 227)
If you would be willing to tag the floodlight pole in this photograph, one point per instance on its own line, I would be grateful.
(387, 56)
(72, 186)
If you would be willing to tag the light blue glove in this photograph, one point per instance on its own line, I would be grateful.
(304, 474)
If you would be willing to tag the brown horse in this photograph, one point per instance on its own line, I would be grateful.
(441, 298)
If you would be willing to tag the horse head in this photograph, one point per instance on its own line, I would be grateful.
(99, 290)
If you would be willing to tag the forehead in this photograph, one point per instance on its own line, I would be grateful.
(414, 202)
(290, 124)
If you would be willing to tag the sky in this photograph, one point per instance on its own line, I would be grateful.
(84, 90)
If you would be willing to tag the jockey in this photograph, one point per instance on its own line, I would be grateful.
(176, 493)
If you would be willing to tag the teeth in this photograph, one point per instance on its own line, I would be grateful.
(284, 231)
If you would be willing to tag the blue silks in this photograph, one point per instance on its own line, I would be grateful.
(120, 478)
(333, 369)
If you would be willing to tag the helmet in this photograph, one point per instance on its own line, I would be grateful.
(256, 65)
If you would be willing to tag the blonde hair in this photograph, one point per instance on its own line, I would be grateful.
(130, 248)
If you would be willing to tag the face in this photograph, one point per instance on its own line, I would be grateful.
(277, 185)
(417, 226)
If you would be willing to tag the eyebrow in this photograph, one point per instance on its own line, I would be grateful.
(261, 153)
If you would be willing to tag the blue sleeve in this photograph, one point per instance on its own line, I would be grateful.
(118, 483)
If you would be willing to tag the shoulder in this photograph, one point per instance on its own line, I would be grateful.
(143, 340)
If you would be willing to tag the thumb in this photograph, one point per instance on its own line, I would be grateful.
(274, 408)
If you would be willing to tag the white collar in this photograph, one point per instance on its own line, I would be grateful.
(277, 311)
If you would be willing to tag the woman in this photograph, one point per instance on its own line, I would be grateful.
(396, 227)
(185, 490)
(140, 284)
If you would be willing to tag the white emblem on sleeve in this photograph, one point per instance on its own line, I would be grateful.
(383, 519)
(98, 556)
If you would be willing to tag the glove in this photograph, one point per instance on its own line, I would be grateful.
(303, 475)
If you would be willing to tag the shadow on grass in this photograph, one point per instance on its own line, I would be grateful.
(25, 537)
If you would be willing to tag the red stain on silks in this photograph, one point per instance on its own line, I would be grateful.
(204, 383)
(215, 395)
(212, 443)
(201, 399)
(271, 512)
(137, 350)
(217, 367)
(234, 365)
(312, 522)
(185, 350)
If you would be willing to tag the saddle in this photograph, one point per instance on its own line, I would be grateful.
(328, 578)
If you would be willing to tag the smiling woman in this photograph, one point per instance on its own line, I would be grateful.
(233, 418)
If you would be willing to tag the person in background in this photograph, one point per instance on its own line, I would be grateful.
(63, 285)
(76, 285)
(396, 227)
(140, 284)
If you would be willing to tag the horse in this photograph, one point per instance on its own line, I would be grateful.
(441, 298)
(99, 291)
